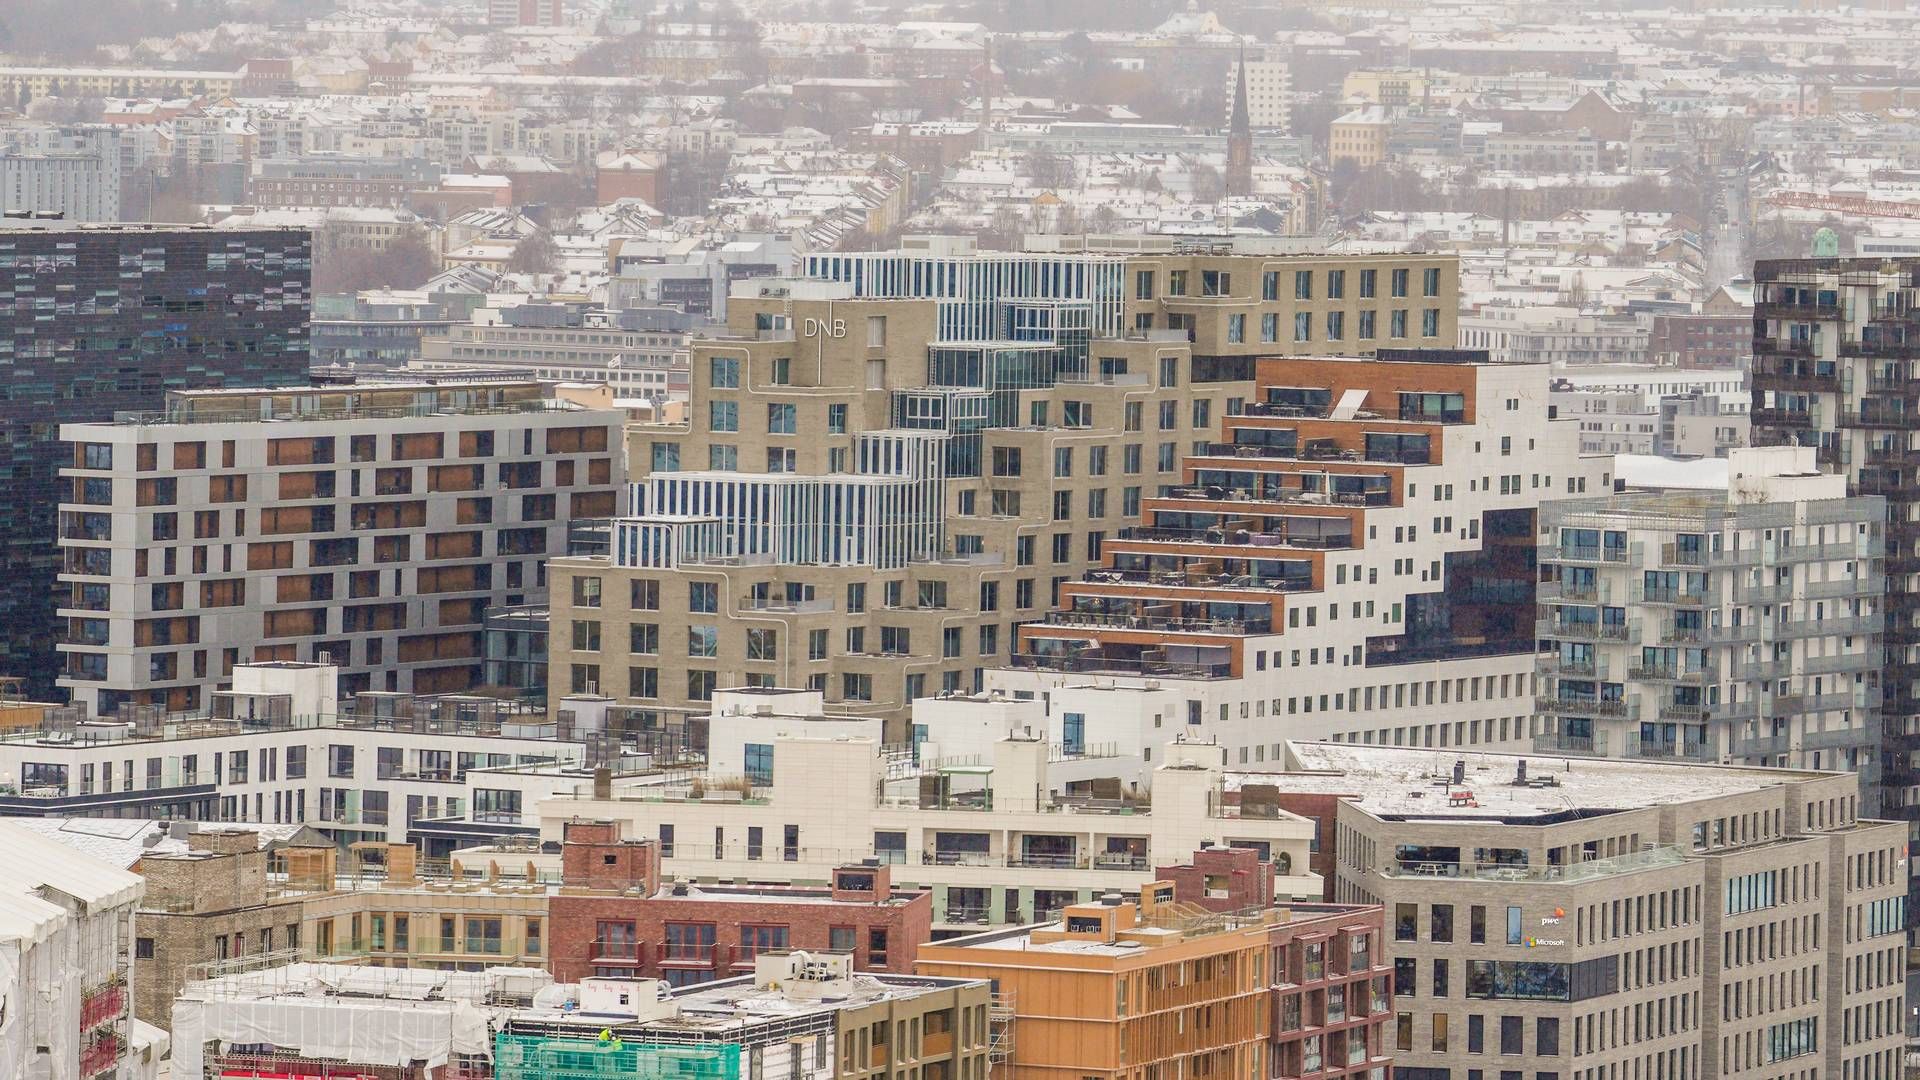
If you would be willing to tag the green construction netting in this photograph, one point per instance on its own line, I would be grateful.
(540, 1057)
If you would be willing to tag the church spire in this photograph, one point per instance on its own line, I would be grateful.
(1240, 136)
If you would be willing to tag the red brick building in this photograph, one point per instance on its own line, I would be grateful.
(615, 918)
(1222, 879)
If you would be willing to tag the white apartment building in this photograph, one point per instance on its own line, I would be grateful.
(1741, 625)
(369, 526)
(66, 926)
(1644, 409)
(78, 176)
(1557, 335)
(1269, 94)
(1354, 564)
(554, 342)
(279, 749)
(997, 840)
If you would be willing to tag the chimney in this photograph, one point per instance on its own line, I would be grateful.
(1459, 772)
(603, 784)
(1520, 771)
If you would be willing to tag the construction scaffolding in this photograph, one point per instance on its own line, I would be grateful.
(540, 1057)
(1000, 1014)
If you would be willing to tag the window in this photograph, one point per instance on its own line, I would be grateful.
(1143, 284)
(1430, 322)
(1369, 284)
(483, 936)
(723, 372)
(763, 643)
(703, 641)
(1236, 328)
(1367, 332)
(1397, 323)
(703, 597)
(760, 763)
(142, 947)
(1270, 285)
(339, 761)
(1303, 326)
(758, 939)
(1515, 933)
(836, 419)
(1441, 919)
(1269, 326)
(1303, 284)
(1400, 282)
(723, 416)
(1006, 461)
(1430, 281)
(780, 418)
(1336, 284)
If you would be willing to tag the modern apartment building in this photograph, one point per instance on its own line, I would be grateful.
(1189, 981)
(1739, 625)
(1834, 368)
(1353, 558)
(106, 318)
(641, 354)
(996, 841)
(1006, 428)
(279, 749)
(367, 527)
(1598, 918)
(858, 509)
(1234, 299)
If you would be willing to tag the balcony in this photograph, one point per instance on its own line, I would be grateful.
(615, 951)
(1693, 713)
(1276, 493)
(1583, 631)
(782, 606)
(1760, 746)
(1570, 592)
(1287, 411)
(1587, 553)
(1780, 309)
(1757, 670)
(1569, 668)
(1660, 749)
(1185, 579)
(1236, 537)
(1084, 664)
(686, 954)
(1612, 709)
(1163, 623)
(1559, 742)
(1778, 417)
(1589, 870)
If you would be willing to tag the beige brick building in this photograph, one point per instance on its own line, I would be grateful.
(871, 493)
(1604, 919)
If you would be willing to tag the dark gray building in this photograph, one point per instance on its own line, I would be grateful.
(99, 319)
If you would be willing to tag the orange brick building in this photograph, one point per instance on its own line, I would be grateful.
(1169, 989)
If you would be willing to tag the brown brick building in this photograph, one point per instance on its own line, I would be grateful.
(614, 918)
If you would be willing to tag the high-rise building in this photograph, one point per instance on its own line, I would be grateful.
(1354, 557)
(369, 527)
(884, 472)
(1600, 918)
(75, 176)
(106, 319)
(1834, 368)
(1739, 625)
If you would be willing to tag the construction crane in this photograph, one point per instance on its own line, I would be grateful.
(1851, 205)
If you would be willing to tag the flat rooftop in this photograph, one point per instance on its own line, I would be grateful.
(1402, 783)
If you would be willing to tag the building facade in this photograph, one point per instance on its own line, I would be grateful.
(1832, 369)
(1189, 982)
(1024, 404)
(1352, 558)
(616, 917)
(995, 842)
(232, 526)
(1607, 918)
(1740, 626)
(193, 307)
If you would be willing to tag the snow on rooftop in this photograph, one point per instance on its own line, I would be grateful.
(1402, 782)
